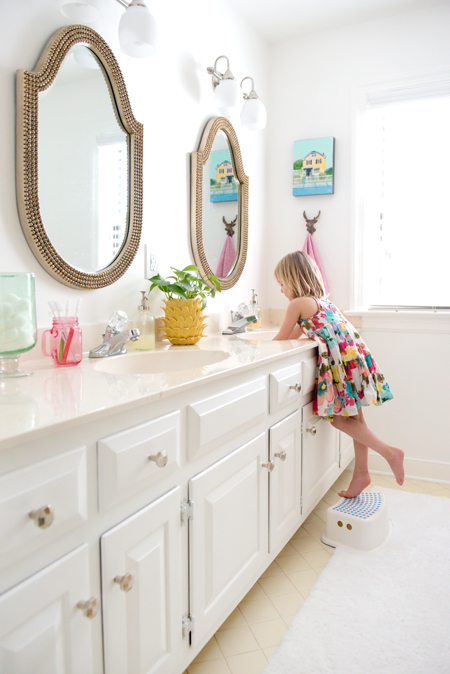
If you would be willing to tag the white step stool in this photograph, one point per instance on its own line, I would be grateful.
(360, 522)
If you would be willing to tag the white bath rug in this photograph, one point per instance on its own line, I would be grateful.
(387, 610)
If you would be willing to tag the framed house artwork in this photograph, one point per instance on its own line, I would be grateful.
(223, 184)
(313, 170)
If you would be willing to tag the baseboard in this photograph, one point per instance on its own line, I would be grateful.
(415, 469)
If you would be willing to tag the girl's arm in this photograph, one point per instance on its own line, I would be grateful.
(290, 328)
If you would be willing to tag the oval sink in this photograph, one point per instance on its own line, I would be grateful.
(159, 361)
(258, 335)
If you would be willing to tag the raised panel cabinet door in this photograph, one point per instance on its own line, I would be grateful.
(346, 450)
(285, 480)
(227, 532)
(42, 628)
(320, 457)
(141, 581)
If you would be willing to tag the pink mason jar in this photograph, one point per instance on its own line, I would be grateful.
(65, 342)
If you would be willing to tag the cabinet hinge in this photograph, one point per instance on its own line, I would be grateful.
(187, 627)
(187, 511)
(301, 505)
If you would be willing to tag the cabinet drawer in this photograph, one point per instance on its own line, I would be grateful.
(286, 386)
(222, 416)
(292, 383)
(54, 490)
(136, 458)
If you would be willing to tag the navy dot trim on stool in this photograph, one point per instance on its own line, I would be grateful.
(365, 505)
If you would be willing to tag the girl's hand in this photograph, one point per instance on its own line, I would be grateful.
(299, 307)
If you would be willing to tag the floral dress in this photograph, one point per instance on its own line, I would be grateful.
(347, 375)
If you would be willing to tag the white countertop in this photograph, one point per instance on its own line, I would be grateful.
(54, 399)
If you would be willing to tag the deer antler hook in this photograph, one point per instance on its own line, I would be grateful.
(229, 225)
(310, 223)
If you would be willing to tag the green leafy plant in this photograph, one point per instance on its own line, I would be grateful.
(186, 285)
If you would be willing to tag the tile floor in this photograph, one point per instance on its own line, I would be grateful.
(251, 634)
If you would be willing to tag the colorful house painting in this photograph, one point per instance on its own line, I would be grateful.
(223, 184)
(313, 168)
(314, 164)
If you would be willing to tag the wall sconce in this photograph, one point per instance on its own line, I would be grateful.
(227, 95)
(253, 114)
(137, 27)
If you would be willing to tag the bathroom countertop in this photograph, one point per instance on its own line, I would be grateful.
(55, 399)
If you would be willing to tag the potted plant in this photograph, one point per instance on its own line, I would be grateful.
(186, 295)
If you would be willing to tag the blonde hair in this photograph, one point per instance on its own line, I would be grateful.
(299, 273)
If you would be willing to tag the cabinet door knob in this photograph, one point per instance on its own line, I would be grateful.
(297, 387)
(270, 466)
(90, 607)
(281, 455)
(160, 459)
(43, 517)
(312, 430)
(126, 581)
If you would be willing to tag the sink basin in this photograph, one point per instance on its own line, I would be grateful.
(159, 361)
(258, 335)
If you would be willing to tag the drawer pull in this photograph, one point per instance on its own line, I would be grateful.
(281, 455)
(126, 582)
(270, 466)
(89, 607)
(312, 430)
(160, 459)
(296, 387)
(43, 517)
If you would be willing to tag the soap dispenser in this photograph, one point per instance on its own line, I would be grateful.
(254, 309)
(145, 323)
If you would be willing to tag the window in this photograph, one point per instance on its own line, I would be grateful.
(404, 173)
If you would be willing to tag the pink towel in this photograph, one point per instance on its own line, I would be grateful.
(226, 259)
(310, 248)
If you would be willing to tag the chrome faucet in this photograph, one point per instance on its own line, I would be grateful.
(239, 324)
(115, 337)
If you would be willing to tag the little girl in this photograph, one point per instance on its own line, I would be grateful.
(347, 375)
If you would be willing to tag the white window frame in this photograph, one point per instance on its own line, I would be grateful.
(361, 92)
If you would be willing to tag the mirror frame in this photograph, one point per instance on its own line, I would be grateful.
(198, 161)
(29, 84)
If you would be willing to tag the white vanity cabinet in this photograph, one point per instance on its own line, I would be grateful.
(161, 518)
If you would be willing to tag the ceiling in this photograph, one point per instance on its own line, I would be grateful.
(278, 19)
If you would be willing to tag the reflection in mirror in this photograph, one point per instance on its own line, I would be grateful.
(83, 164)
(220, 208)
(79, 161)
(219, 204)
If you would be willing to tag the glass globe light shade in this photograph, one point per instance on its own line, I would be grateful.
(227, 96)
(253, 115)
(137, 32)
(80, 11)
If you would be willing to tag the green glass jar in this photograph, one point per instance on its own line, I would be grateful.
(17, 321)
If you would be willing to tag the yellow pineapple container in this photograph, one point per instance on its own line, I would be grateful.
(184, 321)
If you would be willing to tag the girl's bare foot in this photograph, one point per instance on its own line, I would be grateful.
(396, 464)
(356, 486)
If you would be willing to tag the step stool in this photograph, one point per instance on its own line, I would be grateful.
(360, 522)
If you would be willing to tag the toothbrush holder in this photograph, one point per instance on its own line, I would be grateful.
(65, 342)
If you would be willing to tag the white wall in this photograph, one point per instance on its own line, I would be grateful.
(311, 83)
(171, 95)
